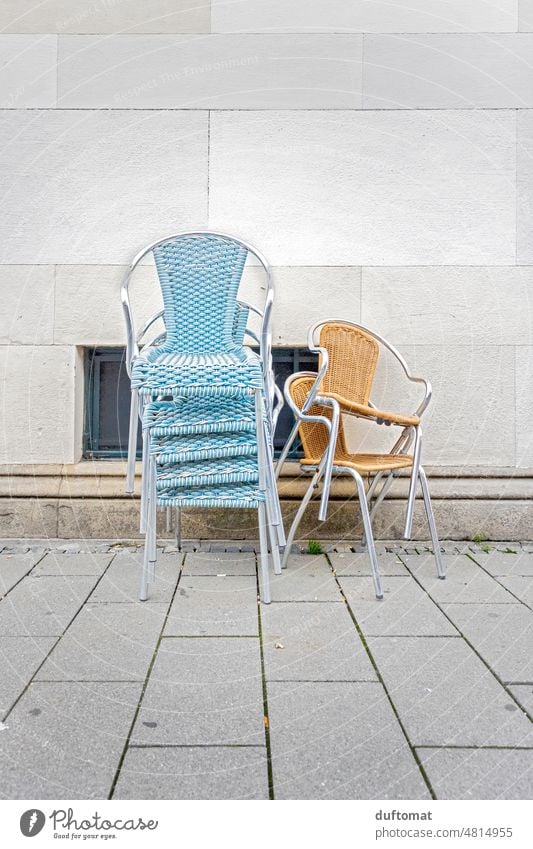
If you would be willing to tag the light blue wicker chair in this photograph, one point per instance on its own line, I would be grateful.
(207, 401)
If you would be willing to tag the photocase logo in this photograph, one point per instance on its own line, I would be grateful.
(32, 822)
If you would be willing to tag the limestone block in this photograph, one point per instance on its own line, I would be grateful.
(525, 15)
(88, 310)
(524, 406)
(27, 314)
(449, 305)
(362, 16)
(95, 187)
(27, 71)
(211, 71)
(367, 188)
(38, 405)
(524, 186)
(106, 16)
(448, 71)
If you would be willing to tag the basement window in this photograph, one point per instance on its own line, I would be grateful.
(107, 400)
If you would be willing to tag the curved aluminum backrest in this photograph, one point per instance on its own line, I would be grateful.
(211, 263)
(316, 348)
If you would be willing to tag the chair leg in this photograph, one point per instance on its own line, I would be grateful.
(298, 518)
(275, 517)
(168, 519)
(373, 508)
(263, 511)
(145, 479)
(263, 547)
(286, 448)
(178, 528)
(153, 513)
(408, 529)
(367, 524)
(272, 484)
(273, 537)
(147, 567)
(328, 466)
(431, 522)
(132, 440)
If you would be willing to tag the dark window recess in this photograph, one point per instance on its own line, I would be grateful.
(107, 400)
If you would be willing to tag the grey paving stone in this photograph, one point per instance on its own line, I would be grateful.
(217, 772)
(107, 642)
(306, 578)
(219, 563)
(359, 564)
(57, 563)
(43, 606)
(13, 567)
(446, 696)
(405, 610)
(203, 691)
(313, 642)
(523, 693)
(19, 658)
(211, 606)
(121, 581)
(479, 773)
(465, 582)
(64, 741)
(502, 634)
(339, 741)
(499, 563)
(520, 586)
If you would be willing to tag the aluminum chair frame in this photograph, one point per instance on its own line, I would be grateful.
(402, 444)
(368, 510)
(270, 512)
(136, 410)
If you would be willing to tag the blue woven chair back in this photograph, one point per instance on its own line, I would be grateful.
(199, 277)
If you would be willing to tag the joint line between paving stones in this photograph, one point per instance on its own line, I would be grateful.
(266, 718)
(145, 685)
(495, 578)
(209, 636)
(60, 637)
(196, 746)
(382, 682)
(467, 641)
(25, 575)
(498, 748)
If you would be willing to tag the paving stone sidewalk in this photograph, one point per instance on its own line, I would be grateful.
(326, 693)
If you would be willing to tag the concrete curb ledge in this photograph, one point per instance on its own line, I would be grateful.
(87, 500)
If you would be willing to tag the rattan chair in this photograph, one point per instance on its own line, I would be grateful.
(348, 356)
(191, 379)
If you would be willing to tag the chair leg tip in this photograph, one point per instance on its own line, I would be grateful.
(379, 597)
(442, 577)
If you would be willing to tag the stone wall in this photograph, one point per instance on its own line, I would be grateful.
(379, 154)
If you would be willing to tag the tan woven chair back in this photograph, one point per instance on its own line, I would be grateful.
(314, 435)
(353, 357)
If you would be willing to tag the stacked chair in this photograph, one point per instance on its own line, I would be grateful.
(348, 357)
(207, 402)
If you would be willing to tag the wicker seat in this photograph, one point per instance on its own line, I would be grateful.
(206, 400)
(158, 372)
(348, 356)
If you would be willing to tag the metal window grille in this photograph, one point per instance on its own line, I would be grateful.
(107, 400)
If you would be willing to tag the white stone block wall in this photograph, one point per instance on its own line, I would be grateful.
(379, 154)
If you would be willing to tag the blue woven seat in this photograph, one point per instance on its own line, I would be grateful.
(234, 496)
(168, 449)
(231, 373)
(197, 415)
(207, 473)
